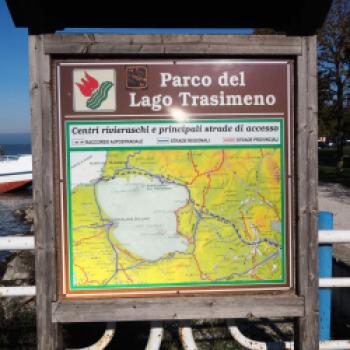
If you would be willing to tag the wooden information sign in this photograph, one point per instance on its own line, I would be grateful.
(175, 178)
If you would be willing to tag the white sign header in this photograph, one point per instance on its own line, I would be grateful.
(165, 133)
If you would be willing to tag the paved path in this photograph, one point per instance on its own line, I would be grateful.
(336, 199)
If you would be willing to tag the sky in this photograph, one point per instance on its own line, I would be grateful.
(14, 76)
(14, 72)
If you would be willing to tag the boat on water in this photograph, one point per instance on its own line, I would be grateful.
(15, 171)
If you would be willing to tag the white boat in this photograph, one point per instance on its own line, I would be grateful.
(15, 171)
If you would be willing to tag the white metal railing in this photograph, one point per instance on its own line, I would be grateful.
(155, 336)
(289, 345)
(333, 236)
(329, 237)
(334, 282)
(24, 291)
(17, 243)
(9, 158)
(104, 340)
(185, 331)
(186, 336)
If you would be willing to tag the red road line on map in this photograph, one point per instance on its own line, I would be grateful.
(205, 192)
(128, 254)
(126, 275)
(269, 205)
(201, 273)
(207, 172)
(190, 155)
(221, 162)
(218, 166)
(85, 274)
(254, 255)
(84, 239)
(245, 226)
(254, 274)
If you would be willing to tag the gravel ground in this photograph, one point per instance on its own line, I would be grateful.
(336, 199)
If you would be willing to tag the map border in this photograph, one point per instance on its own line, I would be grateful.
(233, 284)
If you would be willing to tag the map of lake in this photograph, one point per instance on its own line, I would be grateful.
(144, 218)
(142, 212)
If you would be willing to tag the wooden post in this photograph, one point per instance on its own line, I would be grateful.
(45, 266)
(307, 330)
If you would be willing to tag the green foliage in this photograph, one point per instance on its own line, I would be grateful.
(327, 158)
(333, 39)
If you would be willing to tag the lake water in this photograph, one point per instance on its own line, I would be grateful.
(10, 224)
(142, 214)
(13, 149)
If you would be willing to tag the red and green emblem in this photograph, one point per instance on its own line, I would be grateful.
(97, 93)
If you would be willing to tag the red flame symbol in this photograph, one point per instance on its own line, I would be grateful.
(87, 85)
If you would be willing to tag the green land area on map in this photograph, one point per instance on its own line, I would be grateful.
(177, 217)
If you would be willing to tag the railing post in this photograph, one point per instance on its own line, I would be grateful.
(325, 222)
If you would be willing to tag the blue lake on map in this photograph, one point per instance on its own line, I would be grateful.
(143, 213)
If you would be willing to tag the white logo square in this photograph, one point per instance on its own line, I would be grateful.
(94, 90)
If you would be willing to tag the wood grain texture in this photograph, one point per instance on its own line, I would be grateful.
(177, 308)
(45, 267)
(307, 329)
(274, 45)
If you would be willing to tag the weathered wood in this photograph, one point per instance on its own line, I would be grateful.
(172, 44)
(177, 308)
(246, 40)
(303, 306)
(307, 337)
(41, 111)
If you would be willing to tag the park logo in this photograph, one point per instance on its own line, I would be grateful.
(136, 77)
(94, 90)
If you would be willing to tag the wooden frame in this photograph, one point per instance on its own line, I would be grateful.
(303, 304)
(64, 71)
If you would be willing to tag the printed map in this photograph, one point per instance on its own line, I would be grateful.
(201, 216)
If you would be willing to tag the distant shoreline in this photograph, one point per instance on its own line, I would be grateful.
(23, 138)
(16, 143)
(14, 149)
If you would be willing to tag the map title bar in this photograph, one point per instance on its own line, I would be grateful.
(158, 134)
(164, 87)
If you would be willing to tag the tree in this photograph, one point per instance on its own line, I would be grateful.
(334, 72)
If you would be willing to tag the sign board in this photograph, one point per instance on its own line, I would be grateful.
(175, 176)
